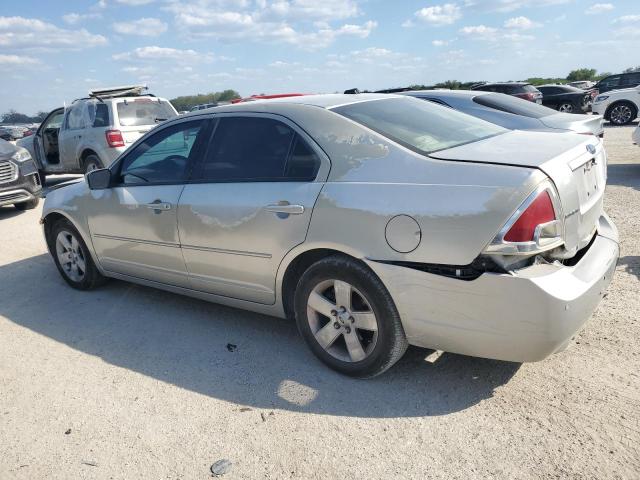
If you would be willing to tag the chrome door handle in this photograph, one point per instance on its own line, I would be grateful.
(286, 209)
(158, 205)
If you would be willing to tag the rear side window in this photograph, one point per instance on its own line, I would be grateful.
(631, 79)
(143, 111)
(75, 118)
(513, 105)
(257, 149)
(102, 116)
(420, 126)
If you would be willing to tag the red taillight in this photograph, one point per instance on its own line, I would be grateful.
(114, 138)
(539, 212)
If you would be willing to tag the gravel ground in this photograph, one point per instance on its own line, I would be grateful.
(129, 382)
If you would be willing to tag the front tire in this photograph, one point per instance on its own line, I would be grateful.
(622, 113)
(348, 318)
(72, 257)
(28, 205)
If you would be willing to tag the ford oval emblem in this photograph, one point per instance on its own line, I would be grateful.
(591, 149)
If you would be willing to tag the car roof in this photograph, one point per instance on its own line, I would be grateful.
(323, 101)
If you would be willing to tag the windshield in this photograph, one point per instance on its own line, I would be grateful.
(143, 111)
(514, 105)
(420, 126)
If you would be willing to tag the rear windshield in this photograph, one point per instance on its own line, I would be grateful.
(514, 105)
(420, 126)
(143, 111)
(529, 88)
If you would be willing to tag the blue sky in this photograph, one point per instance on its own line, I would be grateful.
(55, 51)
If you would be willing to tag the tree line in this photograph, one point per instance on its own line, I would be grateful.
(187, 102)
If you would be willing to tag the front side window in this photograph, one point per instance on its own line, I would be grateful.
(54, 121)
(162, 157)
(143, 111)
(420, 126)
(257, 149)
(610, 81)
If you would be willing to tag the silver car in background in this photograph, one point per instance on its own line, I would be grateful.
(512, 113)
(376, 221)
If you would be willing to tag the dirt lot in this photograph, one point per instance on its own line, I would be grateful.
(129, 382)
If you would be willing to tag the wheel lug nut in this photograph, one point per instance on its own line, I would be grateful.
(348, 329)
(334, 313)
(336, 325)
(352, 320)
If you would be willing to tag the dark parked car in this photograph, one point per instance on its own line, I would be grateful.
(619, 81)
(511, 113)
(19, 180)
(522, 90)
(565, 98)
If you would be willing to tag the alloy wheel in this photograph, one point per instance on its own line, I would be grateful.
(342, 320)
(566, 108)
(70, 256)
(621, 114)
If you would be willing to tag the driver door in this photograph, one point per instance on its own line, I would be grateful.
(45, 141)
(134, 224)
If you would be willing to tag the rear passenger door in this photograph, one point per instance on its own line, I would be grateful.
(248, 203)
(70, 136)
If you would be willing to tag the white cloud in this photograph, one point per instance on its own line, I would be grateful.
(598, 8)
(520, 23)
(440, 43)
(17, 60)
(133, 3)
(146, 27)
(479, 31)
(436, 15)
(510, 5)
(627, 19)
(303, 23)
(31, 33)
(155, 53)
(75, 18)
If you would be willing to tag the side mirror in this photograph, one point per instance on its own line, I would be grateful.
(99, 179)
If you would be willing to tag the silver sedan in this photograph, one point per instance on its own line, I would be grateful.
(376, 221)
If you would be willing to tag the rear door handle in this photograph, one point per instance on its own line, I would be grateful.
(158, 205)
(287, 209)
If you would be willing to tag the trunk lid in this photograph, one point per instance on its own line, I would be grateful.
(593, 124)
(575, 163)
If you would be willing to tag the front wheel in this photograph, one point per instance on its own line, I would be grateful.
(72, 257)
(622, 113)
(348, 318)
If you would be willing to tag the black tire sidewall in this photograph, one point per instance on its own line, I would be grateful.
(91, 160)
(92, 275)
(379, 299)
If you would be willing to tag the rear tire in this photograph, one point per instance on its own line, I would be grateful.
(28, 205)
(566, 107)
(91, 163)
(361, 340)
(72, 257)
(622, 113)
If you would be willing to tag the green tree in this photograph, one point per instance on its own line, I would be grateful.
(582, 74)
(186, 102)
(632, 70)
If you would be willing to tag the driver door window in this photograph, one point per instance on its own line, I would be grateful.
(162, 158)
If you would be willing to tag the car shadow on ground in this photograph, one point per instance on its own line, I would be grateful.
(624, 174)
(8, 211)
(631, 264)
(185, 342)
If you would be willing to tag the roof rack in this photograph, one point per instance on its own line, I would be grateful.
(123, 91)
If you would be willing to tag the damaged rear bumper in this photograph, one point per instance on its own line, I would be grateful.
(521, 316)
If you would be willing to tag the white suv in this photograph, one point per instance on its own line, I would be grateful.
(94, 131)
(620, 107)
